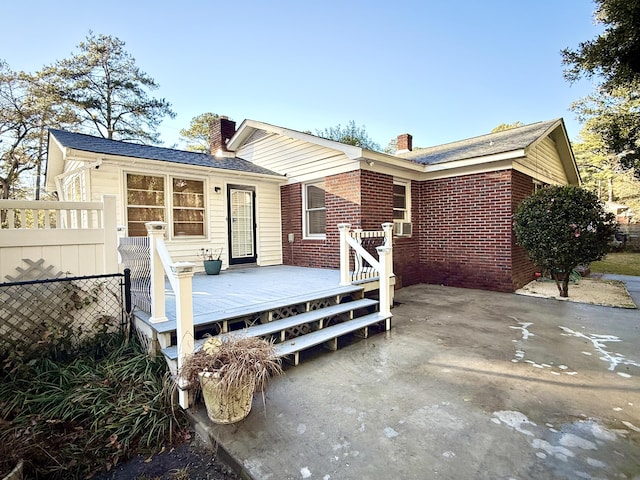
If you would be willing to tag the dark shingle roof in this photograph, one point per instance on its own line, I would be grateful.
(89, 143)
(491, 144)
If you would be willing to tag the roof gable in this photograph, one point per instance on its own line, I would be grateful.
(89, 143)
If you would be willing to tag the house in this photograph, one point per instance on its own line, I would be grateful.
(271, 195)
(218, 202)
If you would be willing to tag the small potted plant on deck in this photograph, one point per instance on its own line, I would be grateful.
(212, 262)
(229, 370)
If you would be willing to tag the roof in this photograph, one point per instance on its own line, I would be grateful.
(517, 138)
(89, 143)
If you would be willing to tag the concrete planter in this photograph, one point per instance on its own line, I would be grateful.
(225, 407)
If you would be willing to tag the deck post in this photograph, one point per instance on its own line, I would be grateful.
(184, 320)
(155, 231)
(388, 242)
(386, 269)
(344, 254)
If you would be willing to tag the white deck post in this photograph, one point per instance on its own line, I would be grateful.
(110, 234)
(385, 279)
(184, 320)
(155, 231)
(344, 253)
(388, 242)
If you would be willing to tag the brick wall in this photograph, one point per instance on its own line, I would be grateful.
(343, 205)
(406, 250)
(466, 231)
(523, 269)
(462, 227)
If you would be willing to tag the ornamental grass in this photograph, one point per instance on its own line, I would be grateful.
(74, 418)
(236, 361)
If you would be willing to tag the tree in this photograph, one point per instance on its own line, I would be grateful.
(601, 172)
(26, 112)
(562, 227)
(351, 135)
(198, 135)
(15, 128)
(507, 126)
(613, 55)
(108, 91)
(615, 116)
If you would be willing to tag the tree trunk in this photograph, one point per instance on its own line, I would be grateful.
(562, 282)
(564, 293)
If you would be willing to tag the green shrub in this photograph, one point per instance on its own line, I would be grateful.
(562, 227)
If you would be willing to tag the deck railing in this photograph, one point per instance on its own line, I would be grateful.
(365, 266)
(180, 275)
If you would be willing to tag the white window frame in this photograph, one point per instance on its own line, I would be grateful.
(168, 202)
(305, 211)
(407, 201)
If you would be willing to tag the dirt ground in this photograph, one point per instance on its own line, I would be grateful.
(190, 461)
(588, 290)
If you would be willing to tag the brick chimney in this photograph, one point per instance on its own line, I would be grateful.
(221, 131)
(405, 143)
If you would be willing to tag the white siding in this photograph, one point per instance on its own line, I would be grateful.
(269, 237)
(110, 179)
(298, 160)
(543, 163)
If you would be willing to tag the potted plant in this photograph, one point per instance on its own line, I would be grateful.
(229, 370)
(212, 262)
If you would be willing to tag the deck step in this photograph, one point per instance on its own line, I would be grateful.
(280, 326)
(303, 342)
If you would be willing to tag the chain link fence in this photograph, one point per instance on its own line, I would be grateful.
(67, 311)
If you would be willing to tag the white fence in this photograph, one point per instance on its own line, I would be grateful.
(75, 237)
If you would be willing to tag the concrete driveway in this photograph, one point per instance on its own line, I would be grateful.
(468, 385)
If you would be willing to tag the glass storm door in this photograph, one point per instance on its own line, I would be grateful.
(242, 224)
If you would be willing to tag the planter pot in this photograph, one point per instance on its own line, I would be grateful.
(212, 267)
(16, 473)
(228, 408)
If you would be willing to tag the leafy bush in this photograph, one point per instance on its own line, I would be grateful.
(562, 227)
(70, 419)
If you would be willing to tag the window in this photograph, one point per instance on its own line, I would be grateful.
(147, 201)
(401, 201)
(188, 207)
(314, 211)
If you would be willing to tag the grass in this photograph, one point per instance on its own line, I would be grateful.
(69, 419)
(619, 263)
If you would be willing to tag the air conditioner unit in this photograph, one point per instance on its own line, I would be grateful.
(402, 229)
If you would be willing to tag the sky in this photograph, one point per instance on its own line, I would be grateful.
(439, 70)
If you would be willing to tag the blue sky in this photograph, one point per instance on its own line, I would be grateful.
(440, 70)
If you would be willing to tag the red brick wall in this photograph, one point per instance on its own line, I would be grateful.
(362, 198)
(466, 225)
(343, 205)
(523, 269)
(406, 250)
(462, 227)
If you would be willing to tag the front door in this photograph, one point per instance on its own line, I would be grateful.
(242, 224)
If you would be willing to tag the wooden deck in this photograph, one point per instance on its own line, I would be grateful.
(255, 289)
(299, 308)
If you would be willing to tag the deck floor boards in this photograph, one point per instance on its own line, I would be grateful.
(248, 288)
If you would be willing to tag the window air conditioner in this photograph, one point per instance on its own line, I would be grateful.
(402, 229)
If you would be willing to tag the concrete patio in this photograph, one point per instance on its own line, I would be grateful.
(468, 384)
